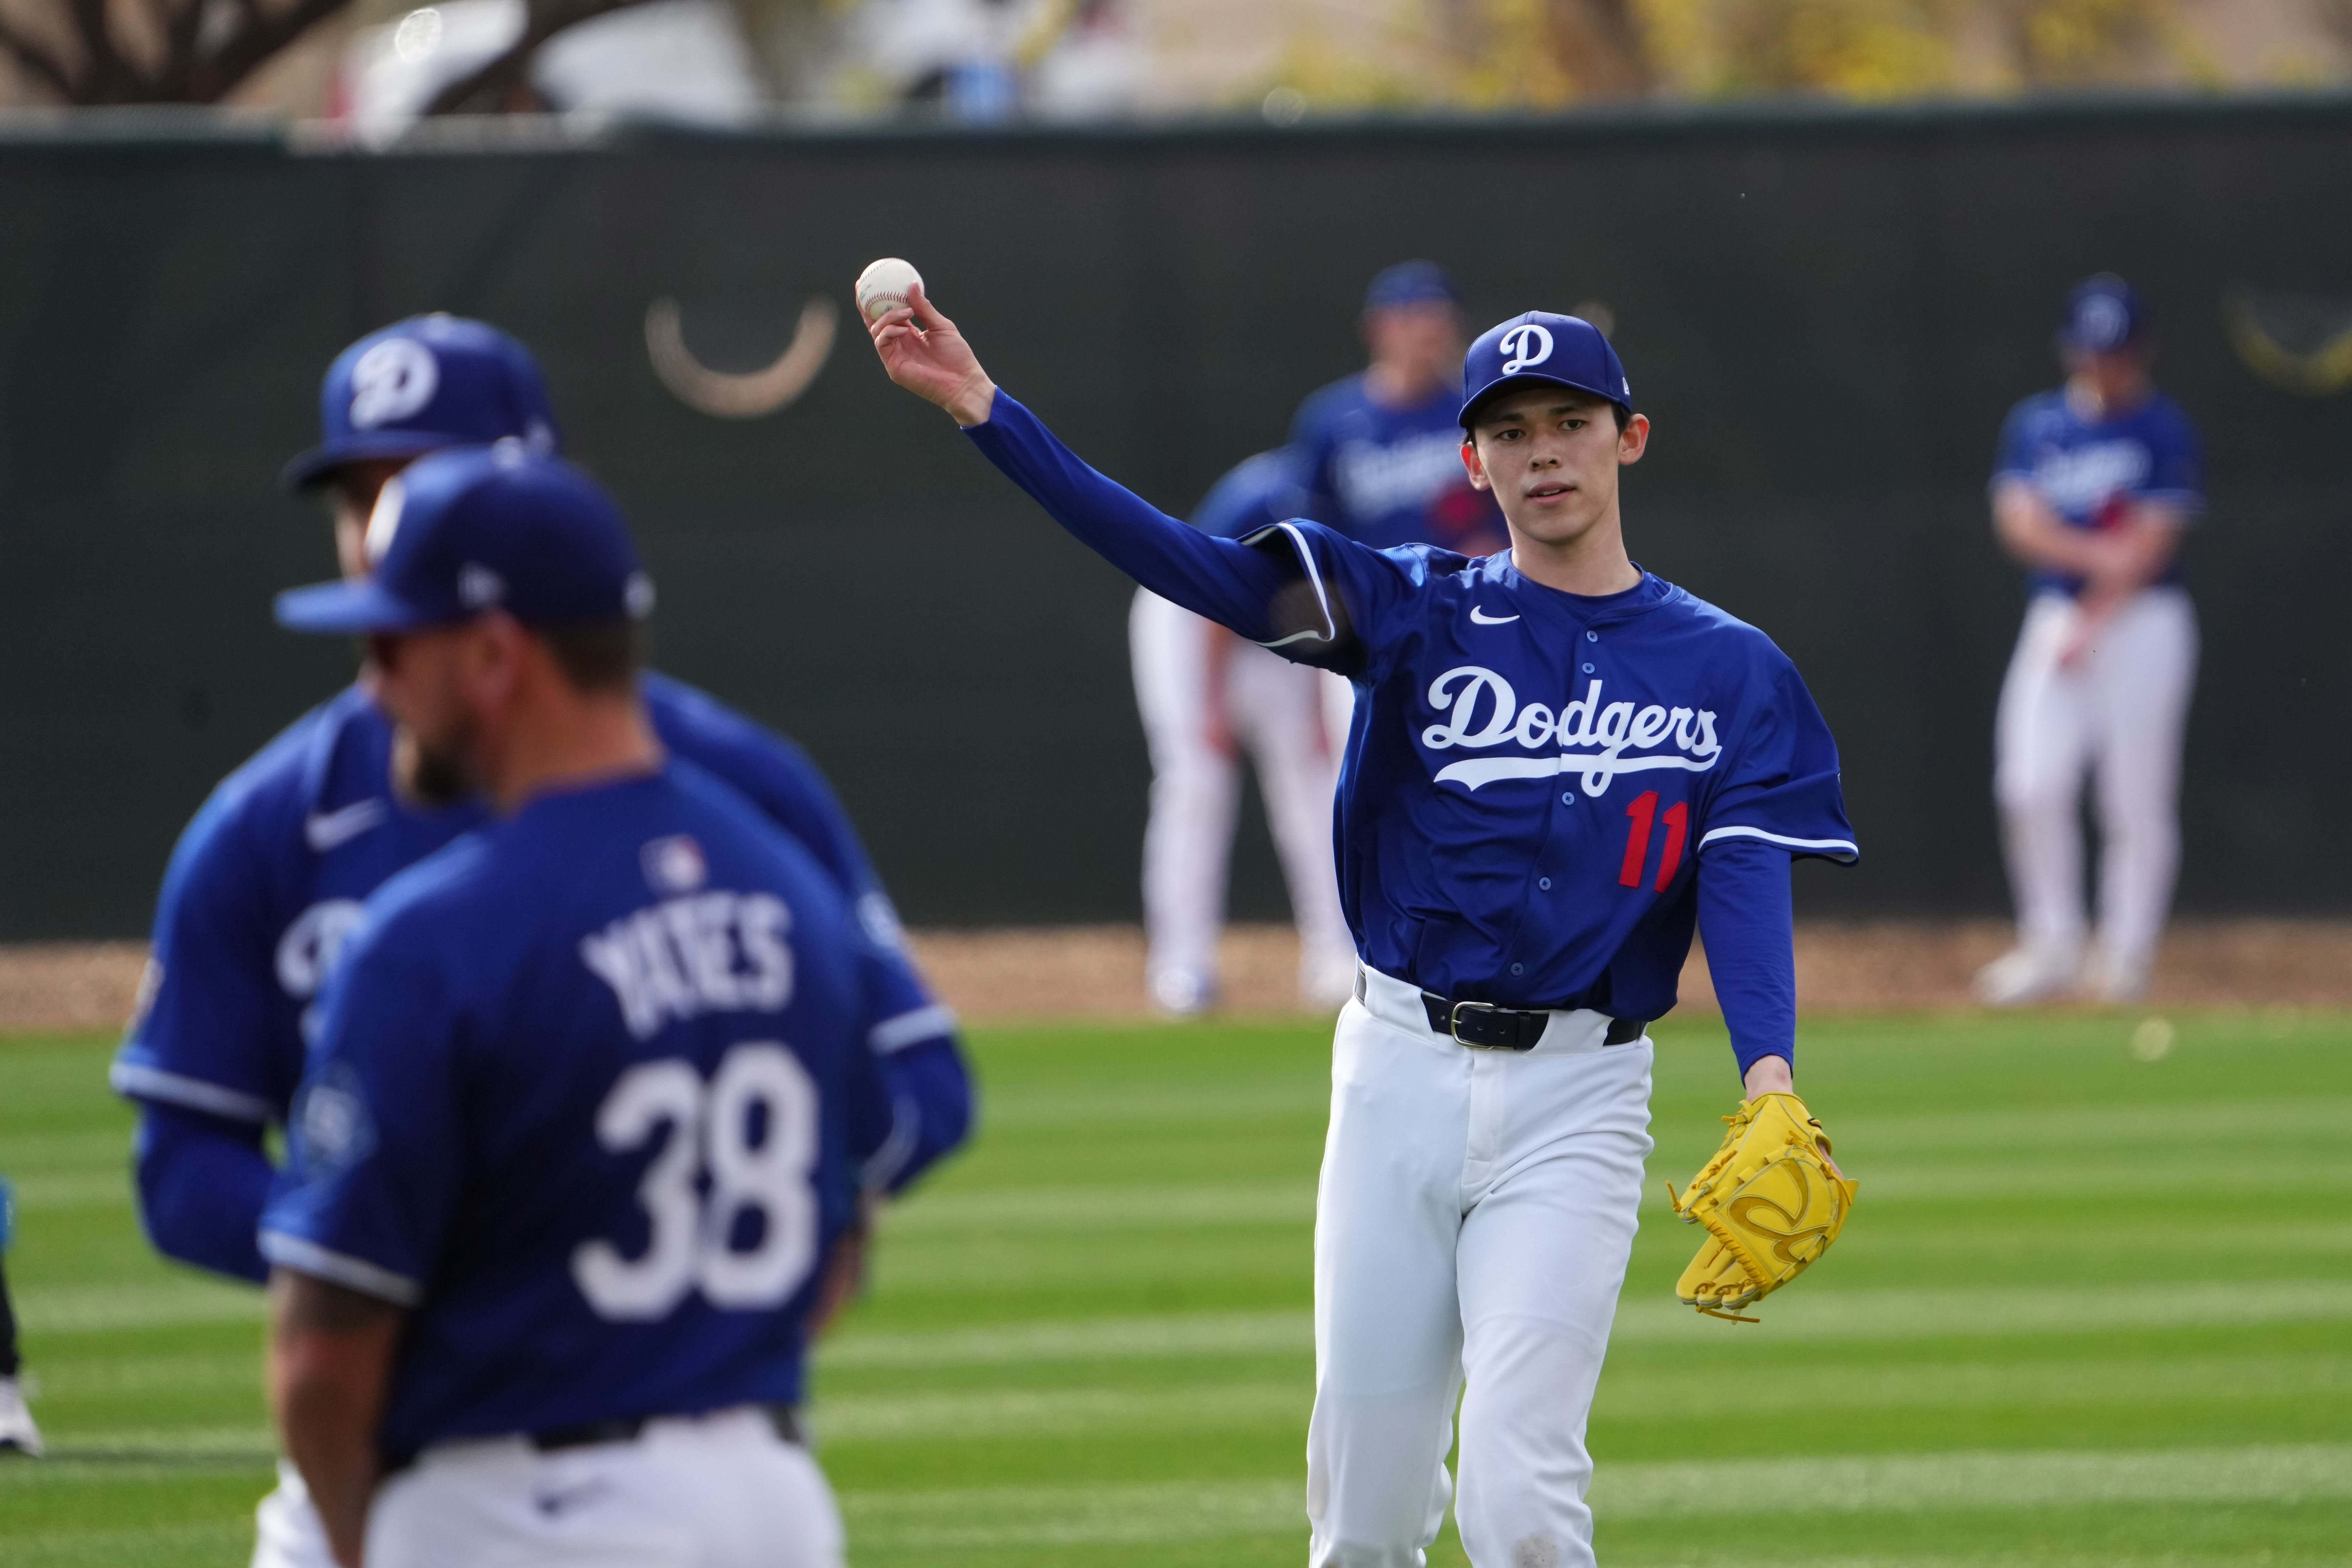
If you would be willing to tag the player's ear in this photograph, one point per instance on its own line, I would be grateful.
(1634, 439)
(1472, 464)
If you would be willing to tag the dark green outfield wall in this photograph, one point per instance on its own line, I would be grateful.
(1826, 315)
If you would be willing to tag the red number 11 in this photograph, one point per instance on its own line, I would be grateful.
(1643, 810)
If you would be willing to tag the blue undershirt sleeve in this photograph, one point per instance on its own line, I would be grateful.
(1745, 920)
(1222, 579)
(202, 1183)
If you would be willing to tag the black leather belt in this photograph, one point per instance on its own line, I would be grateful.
(628, 1429)
(1492, 1028)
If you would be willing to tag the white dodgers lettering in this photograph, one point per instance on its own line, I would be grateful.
(1593, 735)
(707, 952)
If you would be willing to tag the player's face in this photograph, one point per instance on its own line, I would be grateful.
(433, 684)
(2117, 377)
(352, 490)
(1423, 342)
(1550, 456)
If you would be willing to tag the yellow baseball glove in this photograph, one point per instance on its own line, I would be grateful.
(1772, 1200)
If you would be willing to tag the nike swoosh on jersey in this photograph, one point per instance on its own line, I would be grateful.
(1483, 619)
(323, 830)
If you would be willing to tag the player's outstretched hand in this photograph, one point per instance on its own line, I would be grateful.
(924, 354)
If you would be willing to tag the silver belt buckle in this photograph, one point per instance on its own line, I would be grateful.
(1453, 1024)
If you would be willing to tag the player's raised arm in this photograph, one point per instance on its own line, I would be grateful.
(1281, 588)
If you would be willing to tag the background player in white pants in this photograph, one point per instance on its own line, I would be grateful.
(1206, 695)
(2096, 485)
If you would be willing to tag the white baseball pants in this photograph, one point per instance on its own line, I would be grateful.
(288, 1532)
(2117, 715)
(1189, 675)
(716, 1491)
(1473, 1223)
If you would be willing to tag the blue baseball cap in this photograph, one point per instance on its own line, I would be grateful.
(2103, 314)
(425, 383)
(479, 528)
(1541, 348)
(1410, 283)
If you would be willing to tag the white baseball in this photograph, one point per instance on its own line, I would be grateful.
(882, 286)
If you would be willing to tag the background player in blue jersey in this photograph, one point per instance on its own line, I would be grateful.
(1379, 450)
(1558, 765)
(267, 882)
(1206, 695)
(2096, 485)
(589, 1098)
(18, 1432)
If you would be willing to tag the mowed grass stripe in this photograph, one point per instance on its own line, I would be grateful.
(1662, 1395)
(973, 1518)
(1005, 1412)
(2236, 1124)
(1810, 1312)
(207, 1541)
(1053, 1209)
(151, 1301)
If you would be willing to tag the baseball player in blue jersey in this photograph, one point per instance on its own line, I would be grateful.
(1558, 765)
(1379, 450)
(268, 882)
(2095, 485)
(1205, 695)
(590, 1095)
(18, 1432)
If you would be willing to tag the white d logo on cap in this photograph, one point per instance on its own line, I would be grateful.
(392, 380)
(2102, 322)
(1527, 344)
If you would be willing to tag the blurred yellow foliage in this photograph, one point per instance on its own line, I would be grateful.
(1548, 54)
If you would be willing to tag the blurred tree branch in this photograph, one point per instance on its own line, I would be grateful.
(196, 52)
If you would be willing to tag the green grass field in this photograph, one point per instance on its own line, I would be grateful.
(2092, 1309)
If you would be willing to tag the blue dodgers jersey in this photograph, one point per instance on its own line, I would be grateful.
(266, 883)
(1387, 477)
(2091, 472)
(1531, 777)
(589, 1097)
(1253, 493)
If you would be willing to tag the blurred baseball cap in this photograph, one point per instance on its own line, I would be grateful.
(1542, 349)
(425, 383)
(2103, 314)
(478, 528)
(1410, 283)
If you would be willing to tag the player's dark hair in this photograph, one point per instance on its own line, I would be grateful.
(597, 656)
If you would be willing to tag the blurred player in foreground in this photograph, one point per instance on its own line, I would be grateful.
(2095, 485)
(1520, 913)
(590, 1095)
(1204, 694)
(267, 882)
(18, 1434)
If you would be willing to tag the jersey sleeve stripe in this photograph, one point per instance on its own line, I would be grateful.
(340, 1269)
(892, 1035)
(882, 1167)
(1331, 632)
(134, 1081)
(1835, 848)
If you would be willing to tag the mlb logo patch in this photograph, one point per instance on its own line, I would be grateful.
(673, 865)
